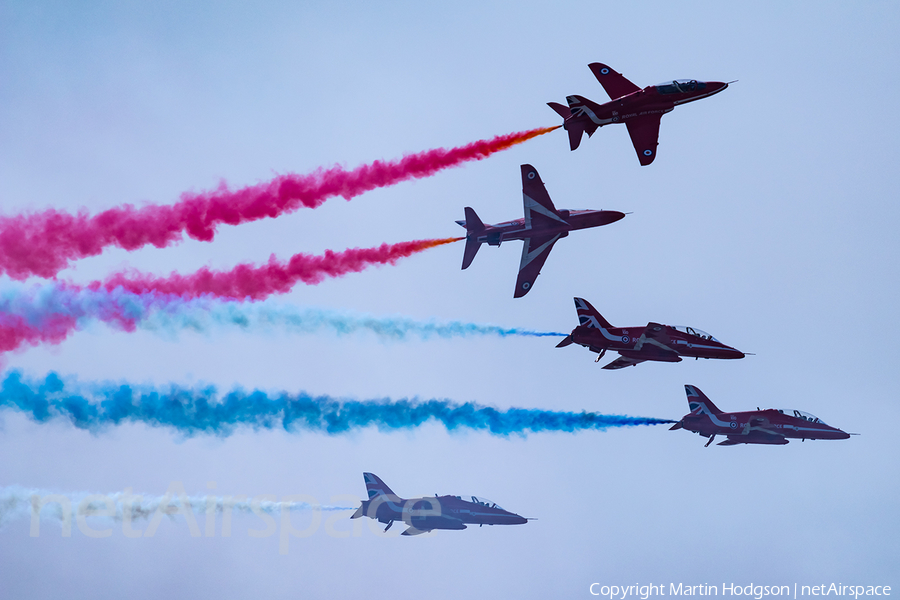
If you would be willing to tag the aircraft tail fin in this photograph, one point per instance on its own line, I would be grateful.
(580, 107)
(472, 246)
(576, 132)
(588, 315)
(574, 128)
(376, 487)
(697, 400)
(473, 225)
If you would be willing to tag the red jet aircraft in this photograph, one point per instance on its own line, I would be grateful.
(640, 109)
(542, 226)
(658, 342)
(770, 426)
(432, 512)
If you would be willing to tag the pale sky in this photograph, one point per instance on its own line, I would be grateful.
(768, 219)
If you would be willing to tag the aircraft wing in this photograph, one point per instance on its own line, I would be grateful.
(644, 132)
(656, 336)
(622, 362)
(614, 83)
(755, 438)
(656, 344)
(534, 253)
(539, 210)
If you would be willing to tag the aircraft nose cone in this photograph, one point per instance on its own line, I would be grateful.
(613, 216)
(715, 87)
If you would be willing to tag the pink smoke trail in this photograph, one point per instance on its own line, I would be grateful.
(16, 331)
(50, 315)
(275, 277)
(44, 243)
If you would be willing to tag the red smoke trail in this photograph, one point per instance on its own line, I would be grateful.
(253, 282)
(43, 243)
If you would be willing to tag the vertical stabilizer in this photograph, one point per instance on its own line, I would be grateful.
(472, 246)
(588, 315)
(473, 223)
(376, 487)
(697, 400)
(576, 132)
(473, 226)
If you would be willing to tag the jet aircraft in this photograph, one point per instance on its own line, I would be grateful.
(542, 227)
(640, 109)
(770, 426)
(431, 512)
(658, 342)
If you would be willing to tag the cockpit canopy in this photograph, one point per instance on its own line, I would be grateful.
(680, 86)
(692, 331)
(481, 500)
(793, 412)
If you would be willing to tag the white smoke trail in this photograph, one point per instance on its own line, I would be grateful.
(20, 502)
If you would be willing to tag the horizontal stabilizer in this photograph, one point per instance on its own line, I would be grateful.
(566, 342)
(359, 512)
(622, 362)
(560, 109)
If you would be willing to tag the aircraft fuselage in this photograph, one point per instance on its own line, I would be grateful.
(631, 342)
(518, 229)
(761, 426)
(437, 512)
(770, 426)
(648, 101)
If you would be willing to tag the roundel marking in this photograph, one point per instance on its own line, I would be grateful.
(625, 339)
(604, 70)
(615, 118)
(657, 328)
(531, 175)
(733, 424)
(648, 152)
(526, 285)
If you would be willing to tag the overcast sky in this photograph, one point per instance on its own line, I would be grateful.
(769, 219)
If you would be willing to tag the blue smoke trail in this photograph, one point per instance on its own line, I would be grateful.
(45, 307)
(192, 411)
